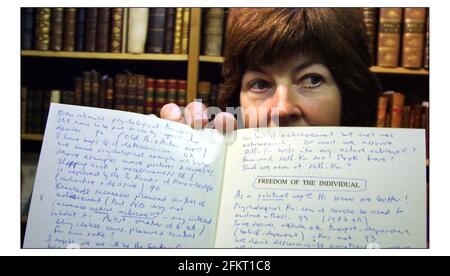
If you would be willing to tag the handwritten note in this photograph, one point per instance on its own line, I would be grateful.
(324, 188)
(109, 179)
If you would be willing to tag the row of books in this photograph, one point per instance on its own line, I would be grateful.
(116, 30)
(126, 92)
(398, 36)
(392, 112)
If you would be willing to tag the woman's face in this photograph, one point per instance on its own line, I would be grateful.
(292, 92)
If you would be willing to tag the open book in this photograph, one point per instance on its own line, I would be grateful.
(114, 179)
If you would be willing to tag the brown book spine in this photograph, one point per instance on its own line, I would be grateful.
(91, 29)
(45, 108)
(397, 109)
(70, 21)
(131, 93)
(109, 97)
(181, 93)
(140, 94)
(370, 16)
(120, 92)
(204, 91)
(213, 32)
(389, 37)
(149, 95)
(416, 117)
(23, 109)
(406, 114)
(30, 111)
(42, 29)
(102, 44)
(413, 37)
(87, 88)
(37, 116)
(78, 91)
(102, 94)
(56, 31)
(177, 31)
(160, 95)
(185, 31)
(95, 89)
(116, 30)
(172, 91)
(169, 30)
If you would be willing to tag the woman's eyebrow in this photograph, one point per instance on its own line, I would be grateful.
(305, 64)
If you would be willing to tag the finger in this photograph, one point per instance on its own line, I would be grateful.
(225, 122)
(196, 115)
(172, 112)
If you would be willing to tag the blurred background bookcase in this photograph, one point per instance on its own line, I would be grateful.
(199, 66)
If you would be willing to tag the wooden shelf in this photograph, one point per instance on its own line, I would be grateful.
(211, 59)
(374, 69)
(115, 56)
(398, 70)
(32, 137)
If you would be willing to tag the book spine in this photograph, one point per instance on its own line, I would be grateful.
(27, 24)
(30, 111)
(181, 93)
(416, 117)
(389, 37)
(116, 30)
(78, 91)
(131, 93)
(120, 91)
(397, 109)
(140, 94)
(137, 30)
(155, 36)
(204, 91)
(109, 97)
(370, 16)
(381, 114)
(213, 32)
(160, 95)
(185, 31)
(413, 37)
(70, 21)
(406, 116)
(45, 108)
(42, 29)
(87, 88)
(172, 91)
(102, 94)
(23, 109)
(37, 116)
(426, 54)
(80, 28)
(169, 30)
(95, 89)
(56, 31)
(103, 29)
(177, 31)
(91, 29)
(55, 96)
(149, 95)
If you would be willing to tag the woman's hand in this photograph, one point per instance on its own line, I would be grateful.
(196, 115)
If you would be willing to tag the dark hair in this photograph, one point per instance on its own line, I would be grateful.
(336, 36)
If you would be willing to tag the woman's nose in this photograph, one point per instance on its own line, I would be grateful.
(285, 107)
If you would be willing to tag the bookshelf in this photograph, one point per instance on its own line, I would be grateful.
(112, 56)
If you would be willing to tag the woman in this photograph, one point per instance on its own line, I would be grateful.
(292, 67)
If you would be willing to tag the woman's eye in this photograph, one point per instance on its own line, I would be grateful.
(311, 81)
(259, 85)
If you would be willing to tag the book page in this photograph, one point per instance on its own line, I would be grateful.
(113, 179)
(324, 187)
